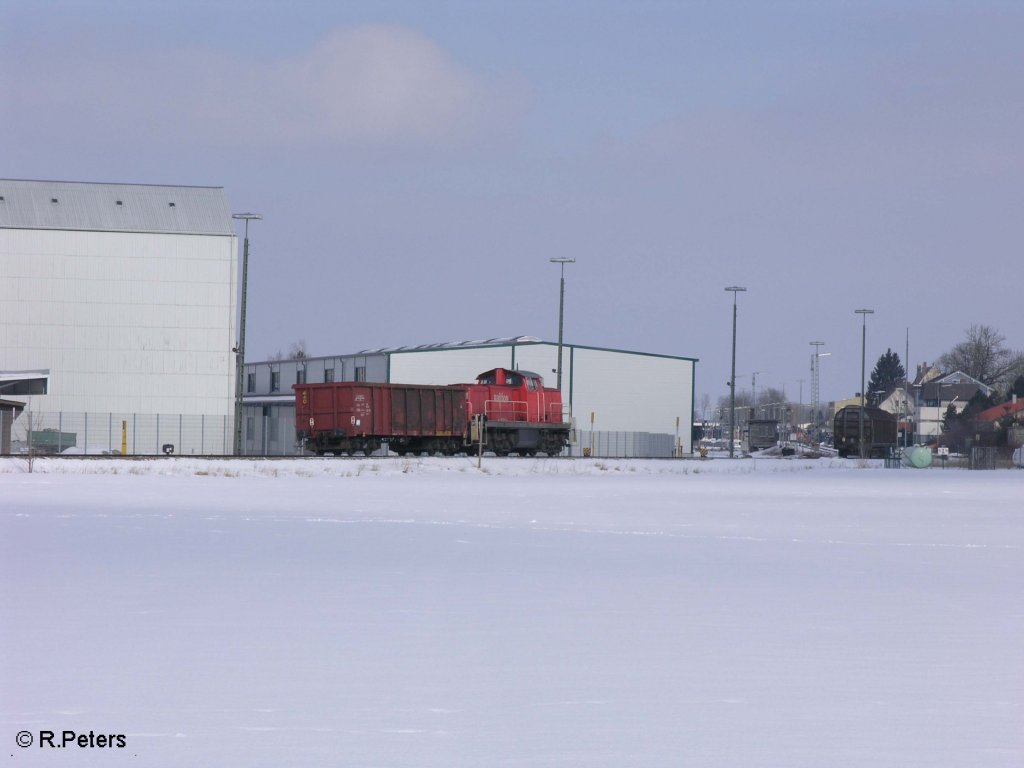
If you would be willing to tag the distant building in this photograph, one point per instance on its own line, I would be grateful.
(936, 393)
(124, 296)
(638, 400)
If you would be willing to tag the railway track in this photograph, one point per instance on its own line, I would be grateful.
(205, 457)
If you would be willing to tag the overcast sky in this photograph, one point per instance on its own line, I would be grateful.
(418, 163)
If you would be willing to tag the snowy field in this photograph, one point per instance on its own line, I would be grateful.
(535, 613)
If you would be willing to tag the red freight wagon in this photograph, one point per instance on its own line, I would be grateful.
(520, 415)
(346, 417)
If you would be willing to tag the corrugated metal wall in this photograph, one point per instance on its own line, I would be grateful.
(125, 322)
(626, 392)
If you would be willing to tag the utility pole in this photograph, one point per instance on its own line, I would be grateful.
(863, 346)
(240, 349)
(734, 289)
(815, 386)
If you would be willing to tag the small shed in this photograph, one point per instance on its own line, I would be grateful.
(9, 411)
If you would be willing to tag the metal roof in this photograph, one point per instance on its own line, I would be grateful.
(998, 411)
(504, 341)
(501, 342)
(93, 207)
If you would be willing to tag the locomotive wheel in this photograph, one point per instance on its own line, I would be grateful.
(502, 444)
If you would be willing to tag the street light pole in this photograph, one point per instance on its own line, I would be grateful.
(863, 346)
(561, 262)
(240, 349)
(734, 289)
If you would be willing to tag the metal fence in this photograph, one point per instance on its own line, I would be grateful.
(624, 445)
(982, 457)
(137, 434)
(265, 432)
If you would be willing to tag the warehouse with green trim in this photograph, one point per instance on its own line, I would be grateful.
(624, 403)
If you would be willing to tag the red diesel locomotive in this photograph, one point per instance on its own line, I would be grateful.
(519, 415)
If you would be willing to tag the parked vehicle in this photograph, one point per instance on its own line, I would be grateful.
(45, 441)
(879, 431)
(518, 414)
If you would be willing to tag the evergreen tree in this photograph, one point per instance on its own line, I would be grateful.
(978, 403)
(950, 419)
(1017, 388)
(886, 377)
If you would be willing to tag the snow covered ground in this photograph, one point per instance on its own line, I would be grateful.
(536, 613)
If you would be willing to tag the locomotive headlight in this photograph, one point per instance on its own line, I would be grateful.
(311, 422)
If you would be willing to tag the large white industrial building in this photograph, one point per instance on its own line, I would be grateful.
(624, 403)
(122, 298)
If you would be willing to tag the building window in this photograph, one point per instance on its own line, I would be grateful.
(273, 427)
(328, 375)
(275, 381)
(360, 373)
(250, 383)
(300, 375)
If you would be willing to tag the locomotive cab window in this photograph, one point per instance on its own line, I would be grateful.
(514, 380)
(487, 378)
(532, 384)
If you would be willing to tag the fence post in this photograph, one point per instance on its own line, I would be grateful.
(85, 448)
(202, 434)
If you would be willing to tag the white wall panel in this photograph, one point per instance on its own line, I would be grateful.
(126, 322)
(632, 392)
(447, 366)
(626, 391)
(543, 359)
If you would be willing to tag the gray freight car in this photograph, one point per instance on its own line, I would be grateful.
(879, 431)
(762, 433)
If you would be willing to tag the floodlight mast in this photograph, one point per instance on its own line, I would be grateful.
(863, 344)
(734, 289)
(815, 385)
(240, 349)
(561, 261)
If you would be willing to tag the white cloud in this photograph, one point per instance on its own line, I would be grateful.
(359, 85)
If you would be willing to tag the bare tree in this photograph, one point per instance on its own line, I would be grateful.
(771, 395)
(296, 351)
(984, 356)
(744, 399)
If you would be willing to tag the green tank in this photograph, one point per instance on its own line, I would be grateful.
(918, 457)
